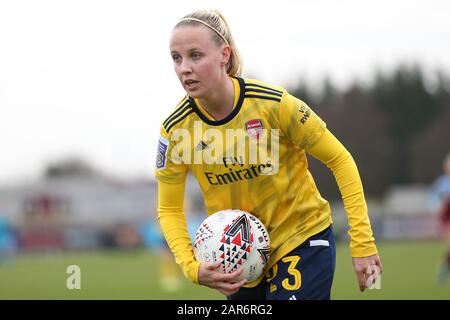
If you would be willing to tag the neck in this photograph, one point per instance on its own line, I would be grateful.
(220, 103)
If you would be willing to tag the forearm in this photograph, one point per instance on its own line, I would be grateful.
(334, 155)
(173, 224)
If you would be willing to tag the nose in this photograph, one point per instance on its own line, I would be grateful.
(185, 67)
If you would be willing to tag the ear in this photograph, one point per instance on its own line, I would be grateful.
(226, 54)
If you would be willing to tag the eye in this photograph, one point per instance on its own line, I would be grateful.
(195, 55)
(176, 58)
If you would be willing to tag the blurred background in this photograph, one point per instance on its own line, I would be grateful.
(85, 85)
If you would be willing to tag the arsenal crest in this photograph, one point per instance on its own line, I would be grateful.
(254, 128)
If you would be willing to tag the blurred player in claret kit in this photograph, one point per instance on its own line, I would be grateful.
(279, 190)
(440, 203)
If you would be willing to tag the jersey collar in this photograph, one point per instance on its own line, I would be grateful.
(239, 93)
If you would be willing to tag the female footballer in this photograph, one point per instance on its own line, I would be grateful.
(439, 202)
(240, 173)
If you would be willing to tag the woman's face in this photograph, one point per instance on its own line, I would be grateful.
(199, 63)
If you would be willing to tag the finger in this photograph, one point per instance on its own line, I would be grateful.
(372, 274)
(361, 280)
(237, 272)
(373, 268)
(213, 265)
(226, 289)
(373, 278)
(231, 288)
(239, 284)
(378, 271)
(380, 265)
(370, 270)
(229, 277)
(228, 292)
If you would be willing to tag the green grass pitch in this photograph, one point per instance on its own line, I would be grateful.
(410, 273)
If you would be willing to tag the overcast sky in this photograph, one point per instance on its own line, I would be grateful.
(95, 78)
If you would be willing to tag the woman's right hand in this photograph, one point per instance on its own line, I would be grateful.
(209, 276)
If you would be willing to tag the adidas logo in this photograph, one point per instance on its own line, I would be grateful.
(201, 146)
(293, 297)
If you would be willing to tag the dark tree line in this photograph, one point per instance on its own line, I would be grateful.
(397, 128)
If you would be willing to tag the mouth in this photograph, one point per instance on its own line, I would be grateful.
(190, 83)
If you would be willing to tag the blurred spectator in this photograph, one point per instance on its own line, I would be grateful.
(8, 242)
(440, 203)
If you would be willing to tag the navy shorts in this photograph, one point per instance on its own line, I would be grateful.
(305, 273)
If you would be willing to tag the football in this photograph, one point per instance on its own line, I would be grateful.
(236, 239)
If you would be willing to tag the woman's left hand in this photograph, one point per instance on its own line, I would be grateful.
(368, 270)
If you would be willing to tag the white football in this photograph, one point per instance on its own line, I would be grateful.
(236, 239)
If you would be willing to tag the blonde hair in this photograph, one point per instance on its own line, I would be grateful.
(222, 35)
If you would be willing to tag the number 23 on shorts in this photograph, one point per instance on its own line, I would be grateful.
(293, 279)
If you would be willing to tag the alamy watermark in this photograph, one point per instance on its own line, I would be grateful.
(74, 279)
(254, 145)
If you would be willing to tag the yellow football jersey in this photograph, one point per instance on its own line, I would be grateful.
(254, 160)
